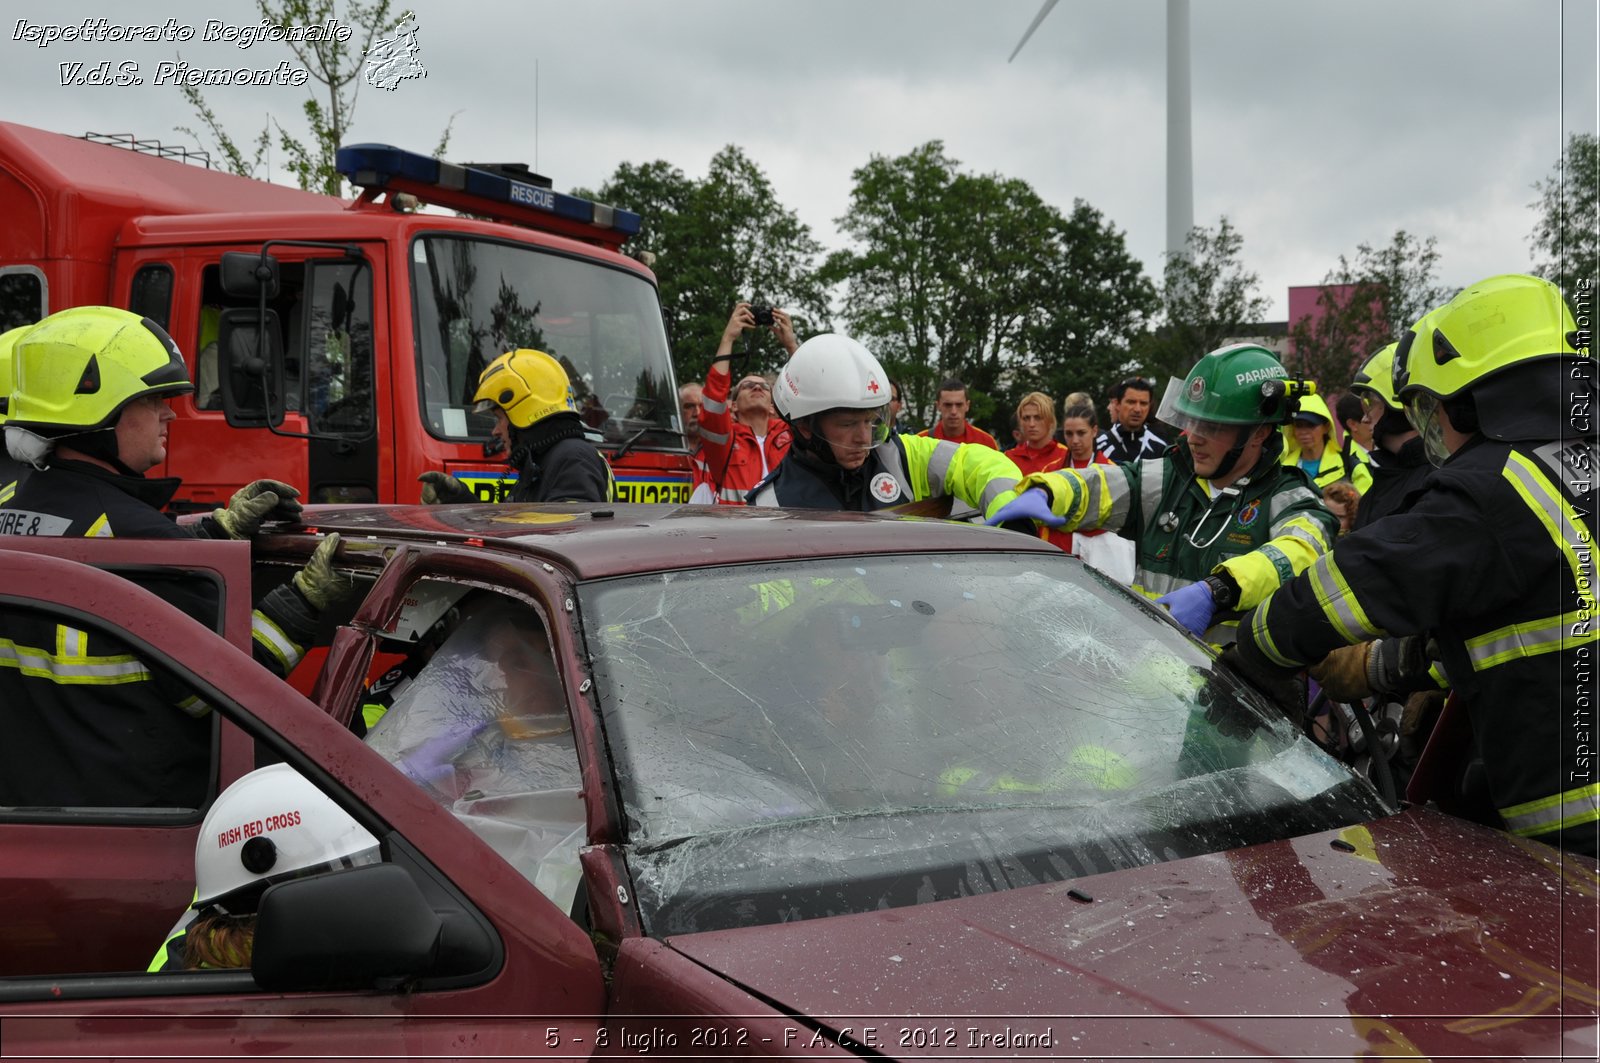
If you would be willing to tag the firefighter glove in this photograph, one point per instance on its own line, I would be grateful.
(1343, 673)
(1032, 504)
(1421, 712)
(1396, 667)
(439, 488)
(318, 582)
(254, 504)
(1192, 606)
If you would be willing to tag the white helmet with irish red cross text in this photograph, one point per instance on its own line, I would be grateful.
(269, 826)
(830, 372)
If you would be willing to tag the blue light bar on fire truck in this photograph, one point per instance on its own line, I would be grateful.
(379, 168)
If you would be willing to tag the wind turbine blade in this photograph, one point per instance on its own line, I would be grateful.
(1043, 11)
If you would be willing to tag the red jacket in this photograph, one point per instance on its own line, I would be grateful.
(735, 461)
(1044, 459)
(974, 435)
(701, 472)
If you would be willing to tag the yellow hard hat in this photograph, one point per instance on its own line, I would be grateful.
(79, 367)
(529, 385)
(1489, 327)
(8, 340)
(1375, 380)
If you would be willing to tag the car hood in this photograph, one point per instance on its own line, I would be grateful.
(1418, 934)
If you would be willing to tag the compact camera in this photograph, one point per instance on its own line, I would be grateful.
(763, 315)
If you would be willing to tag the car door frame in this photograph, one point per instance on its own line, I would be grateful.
(541, 1000)
(133, 868)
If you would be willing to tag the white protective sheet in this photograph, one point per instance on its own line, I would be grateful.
(484, 729)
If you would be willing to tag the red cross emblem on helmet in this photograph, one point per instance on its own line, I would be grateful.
(872, 386)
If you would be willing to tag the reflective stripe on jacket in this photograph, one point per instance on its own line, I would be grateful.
(905, 469)
(1495, 562)
(1333, 467)
(1271, 529)
(88, 722)
(736, 461)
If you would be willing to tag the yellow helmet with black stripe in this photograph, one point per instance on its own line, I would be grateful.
(1375, 379)
(528, 385)
(1489, 327)
(79, 367)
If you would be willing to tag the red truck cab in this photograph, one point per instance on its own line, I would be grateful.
(382, 317)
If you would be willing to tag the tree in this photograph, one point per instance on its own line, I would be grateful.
(1207, 296)
(974, 276)
(1096, 301)
(1364, 305)
(714, 242)
(334, 66)
(1567, 233)
(897, 290)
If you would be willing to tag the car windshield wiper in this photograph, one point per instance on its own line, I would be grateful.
(651, 848)
(628, 443)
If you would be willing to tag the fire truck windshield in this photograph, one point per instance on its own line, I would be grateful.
(477, 299)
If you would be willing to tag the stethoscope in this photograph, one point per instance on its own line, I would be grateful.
(1168, 521)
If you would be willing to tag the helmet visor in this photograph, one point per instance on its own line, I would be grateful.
(1168, 410)
(841, 426)
(1422, 410)
(880, 426)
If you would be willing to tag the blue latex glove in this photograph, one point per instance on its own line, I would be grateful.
(1191, 606)
(1032, 504)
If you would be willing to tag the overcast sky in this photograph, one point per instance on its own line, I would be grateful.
(1317, 125)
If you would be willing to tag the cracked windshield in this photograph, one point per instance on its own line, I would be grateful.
(844, 735)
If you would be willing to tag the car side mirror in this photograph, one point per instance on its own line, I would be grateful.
(362, 928)
(250, 367)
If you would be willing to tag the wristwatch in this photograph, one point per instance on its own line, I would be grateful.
(1224, 592)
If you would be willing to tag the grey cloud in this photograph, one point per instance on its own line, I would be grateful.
(1317, 123)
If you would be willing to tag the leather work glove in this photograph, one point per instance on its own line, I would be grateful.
(1398, 666)
(439, 488)
(1032, 504)
(1343, 673)
(1421, 712)
(318, 582)
(1192, 606)
(254, 504)
(1281, 686)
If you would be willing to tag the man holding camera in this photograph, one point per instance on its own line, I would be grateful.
(743, 438)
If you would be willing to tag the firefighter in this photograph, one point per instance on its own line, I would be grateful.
(835, 397)
(537, 427)
(1218, 521)
(1400, 465)
(12, 471)
(299, 831)
(89, 723)
(1491, 569)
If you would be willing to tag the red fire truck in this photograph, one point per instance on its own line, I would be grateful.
(336, 345)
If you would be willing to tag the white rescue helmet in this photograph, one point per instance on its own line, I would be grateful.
(830, 372)
(269, 826)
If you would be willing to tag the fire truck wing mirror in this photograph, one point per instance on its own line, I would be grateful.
(250, 368)
(245, 273)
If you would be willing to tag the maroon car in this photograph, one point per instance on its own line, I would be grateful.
(692, 782)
